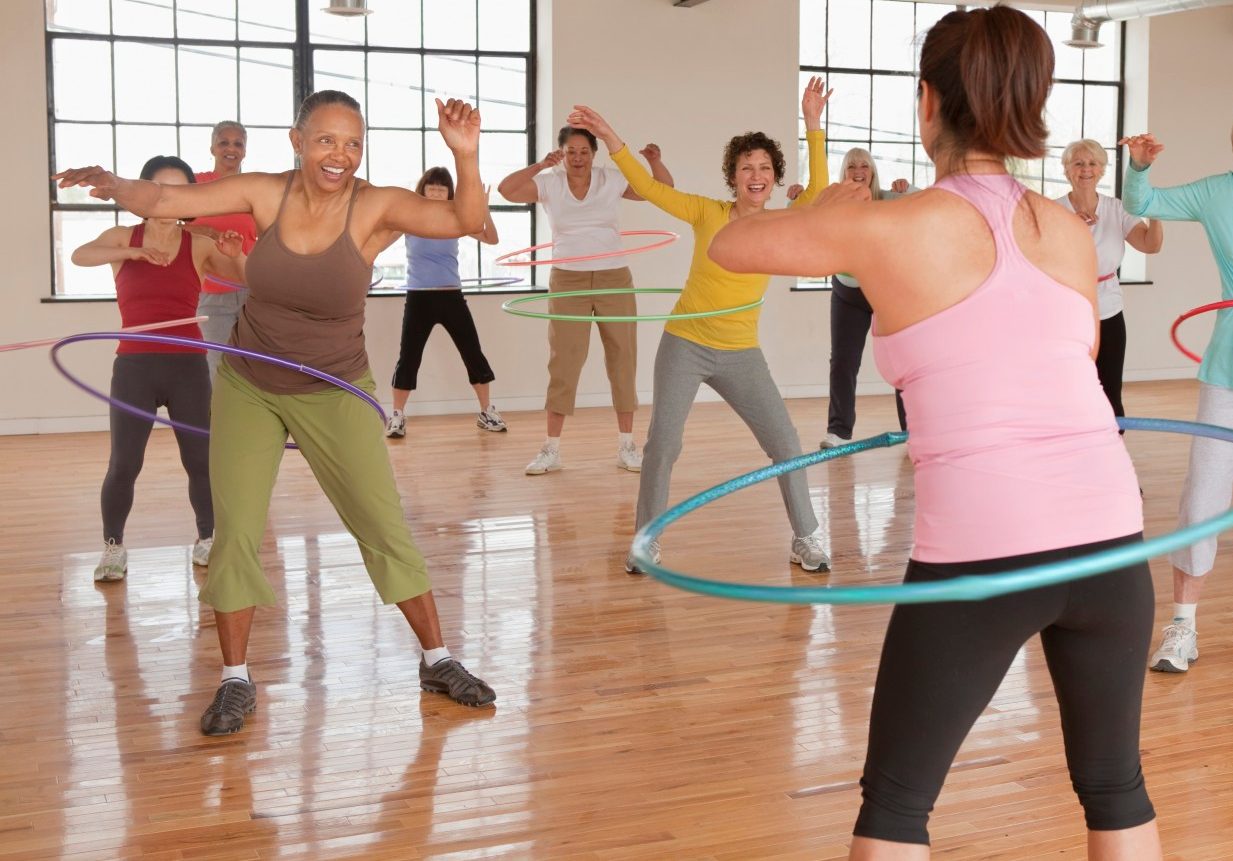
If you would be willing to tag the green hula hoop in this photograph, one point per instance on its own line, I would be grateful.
(970, 588)
(512, 307)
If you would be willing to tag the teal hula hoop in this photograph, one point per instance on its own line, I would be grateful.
(511, 307)
(970, 588)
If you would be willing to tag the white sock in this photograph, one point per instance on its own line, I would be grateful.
(239, 671)
(552, 443)
(434, 656)
(625, 439)
(1183, 614)
(397, 411)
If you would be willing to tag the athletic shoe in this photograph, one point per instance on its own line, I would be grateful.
(807, 552)
(632, 568)
(1178, 649)
(201, 551)
(396, 427)
(548, 460)
(234, 699)
(114, 564)
(628, 457)
(451, 678)
(833, 440)
(490, 420)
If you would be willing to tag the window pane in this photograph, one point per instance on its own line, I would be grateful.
(503, 92)
(391, 265)
(397, 158)
(447, 77)
(145, 83)
(82, 79)
(340, 70)
(71, 230)
(394, 90)
(327, 29)
(205, 19)
(79, 145)
(449, 24)
(266, 86)
(1067, 61)
(1064, 114)
(394, 22)
(894, 107)
(848, 45)
(267, 20)
(1030, 172)
(1106, 184)
(195, 148)
(894, 35)
(1100, 114)
(514, 230)
(269, 150)
(505, 25)
(77, 16)
(135, 145)
(894, 162)
(924, 173)
(847, 113)
(141, 18)
(928, 14)
(813, 32)
(207, 84)
(1105, 63)
(1056, 183)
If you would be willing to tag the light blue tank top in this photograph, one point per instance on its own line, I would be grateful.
(431, 262)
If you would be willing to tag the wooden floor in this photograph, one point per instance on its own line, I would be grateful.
(633, 721)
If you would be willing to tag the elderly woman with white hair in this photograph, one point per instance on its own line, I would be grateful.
(1084, 162)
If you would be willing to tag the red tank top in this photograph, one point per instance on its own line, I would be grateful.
(152, 294)
(241, 222)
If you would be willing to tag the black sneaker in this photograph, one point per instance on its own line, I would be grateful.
(233, 699)
(452, 679)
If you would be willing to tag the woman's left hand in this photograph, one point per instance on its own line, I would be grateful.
(900, 186)
(230, 243)
(459, 124)
(814, 100)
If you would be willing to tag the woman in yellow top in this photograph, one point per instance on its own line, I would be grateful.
(722, 351)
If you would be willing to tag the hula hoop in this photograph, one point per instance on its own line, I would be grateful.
(234, 286)
(147, 327)
(970, 588)
(478, 283)
(510, 307)
(1194, 312)
(192, 342)
(670, 237)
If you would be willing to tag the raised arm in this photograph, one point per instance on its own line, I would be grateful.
(659, 170)
(687, 207)
(111, 247)
(488, 235)
(520, 187)
(813, 102)
(152, 200)
(1179, 203)
(1148, 238)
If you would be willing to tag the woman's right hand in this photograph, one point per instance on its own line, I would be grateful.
(102, 183)
(551, 160)
(813, 102)
(149, 255)
(1143, 148)
(590, 119)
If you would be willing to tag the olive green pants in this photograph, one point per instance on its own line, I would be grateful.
(340, 437)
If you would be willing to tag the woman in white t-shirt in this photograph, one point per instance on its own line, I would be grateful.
(1084, 162)
(583, 205)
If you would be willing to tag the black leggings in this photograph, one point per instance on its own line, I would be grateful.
(851, 315)
(1110, 359)
(181, 383)
(942, 663)
(424, 310)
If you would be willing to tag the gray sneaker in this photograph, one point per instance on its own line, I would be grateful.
(233, 699)
(452, 679)
(807, 552)
(631, 567)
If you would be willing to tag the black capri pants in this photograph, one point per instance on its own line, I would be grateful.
(424, 310)
(1111, 358)
(942, 663)
(851, 316)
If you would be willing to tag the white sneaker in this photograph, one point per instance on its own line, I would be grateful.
(628, 457)
(114, 564)
(632, 568)
(201, 551)
(490, 420)
(807, 552)
(396, 427)
(833, 440)
(1178, 649)
(548, 460)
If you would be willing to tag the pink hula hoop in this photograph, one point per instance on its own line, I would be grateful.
(148, 327)
(669, 238)
(1194, 312)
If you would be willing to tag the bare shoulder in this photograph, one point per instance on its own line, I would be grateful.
(120, 235)
(1056, 241)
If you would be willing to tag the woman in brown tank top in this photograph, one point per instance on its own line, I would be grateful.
(321, 227)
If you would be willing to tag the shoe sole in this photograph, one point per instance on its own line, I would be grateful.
(230, 731)
(429, 688)
(107, 578)
(491, 430)
(796, 560)
(1164, 665)
(628, 468)
(395, 435)
(542, 471)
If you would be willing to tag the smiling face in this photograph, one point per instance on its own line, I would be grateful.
(754, 177)
(860, 171)
(1084, 170)
(228, 146)
(330, 146)
(579, 157)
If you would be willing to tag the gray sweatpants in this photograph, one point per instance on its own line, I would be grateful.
(741, 378)
(1209, 480)
(223, 309)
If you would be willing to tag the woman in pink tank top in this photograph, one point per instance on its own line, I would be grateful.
(985, 316)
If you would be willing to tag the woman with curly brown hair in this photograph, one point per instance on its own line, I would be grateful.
(722, 351)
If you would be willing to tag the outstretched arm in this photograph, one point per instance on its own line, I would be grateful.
(153, 200)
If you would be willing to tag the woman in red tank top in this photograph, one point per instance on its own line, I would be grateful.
(158, 266)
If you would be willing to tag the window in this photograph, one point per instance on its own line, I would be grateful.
(129, 79)
(869, 52)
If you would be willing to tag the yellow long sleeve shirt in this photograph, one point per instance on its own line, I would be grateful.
(710, 286)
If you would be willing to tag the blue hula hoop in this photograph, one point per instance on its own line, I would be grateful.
(176, 341)
(969, 588)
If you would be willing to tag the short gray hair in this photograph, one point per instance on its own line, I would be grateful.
(227, 124)
(1092, 147)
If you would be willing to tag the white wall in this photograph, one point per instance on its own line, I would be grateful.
(685, 78)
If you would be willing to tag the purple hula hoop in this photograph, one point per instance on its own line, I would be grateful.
(176, 341)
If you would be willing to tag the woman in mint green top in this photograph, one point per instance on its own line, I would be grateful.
(1209, 478)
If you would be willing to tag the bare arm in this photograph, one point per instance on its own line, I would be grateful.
(488, 235)
(111, 247)
(659, 170)
(152, 200)
(1148, 238)
(520, 187)
(223, 256)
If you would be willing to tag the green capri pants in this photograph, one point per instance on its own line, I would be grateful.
(340, 437)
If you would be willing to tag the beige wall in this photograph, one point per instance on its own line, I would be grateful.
(730, 73)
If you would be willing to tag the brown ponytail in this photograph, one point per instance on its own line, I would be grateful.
(992, 70)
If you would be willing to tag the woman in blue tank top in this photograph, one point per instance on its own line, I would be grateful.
(434, 295)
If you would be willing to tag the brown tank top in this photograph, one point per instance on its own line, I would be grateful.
(308, 308)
